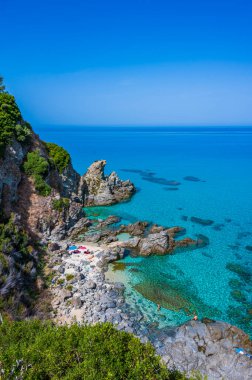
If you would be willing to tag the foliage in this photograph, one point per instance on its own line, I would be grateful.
(2, 86)
(12, 238)
(17, 268)
(37, 167)
(61, 204)
(41, 186)
(12, 124)
(59, 155)
(36, 164)
(36, 350)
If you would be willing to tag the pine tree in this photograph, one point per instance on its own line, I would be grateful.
(2, 86)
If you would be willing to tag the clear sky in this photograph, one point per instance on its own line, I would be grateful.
(129, 62)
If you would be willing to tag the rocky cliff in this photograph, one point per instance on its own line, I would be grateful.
(50, 200)
(42, 195)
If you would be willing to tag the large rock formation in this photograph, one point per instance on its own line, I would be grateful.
(97, 189)
(207, 346)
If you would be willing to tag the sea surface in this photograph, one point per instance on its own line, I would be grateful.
(212, 170)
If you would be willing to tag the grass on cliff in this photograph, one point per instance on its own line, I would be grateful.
(35, 350)
(59, 155)
(12, 125)
(61, 204)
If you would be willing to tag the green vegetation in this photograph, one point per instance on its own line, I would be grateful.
(69, 277)
(12, 124)
(41, 186)
(17, 269)
(59, 155)
(36, 164)
(34, 350)
(2, 87)
(37, 167)
(61, 204)
(12, 238)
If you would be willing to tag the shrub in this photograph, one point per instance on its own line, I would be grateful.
(69, 277)
(37, 167)
(12, 124)
(41, 186)
(35, 164)
(36, 350)
(59, 155)
(61, 204)
(18, 261)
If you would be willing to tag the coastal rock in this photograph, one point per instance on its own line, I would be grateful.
(154, 244)
(96, 189)
(135, 229)
(207, 347)
(155, 229)
(112, 219)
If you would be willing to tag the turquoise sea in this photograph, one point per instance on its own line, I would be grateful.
(215, 281)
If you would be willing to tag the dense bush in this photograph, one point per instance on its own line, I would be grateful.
(18, 261)
(41, 186)
(12, 124)
(12, 238)
(59, 155)
(37, 167)
(35, 350)
(36, 164)
(61, 204)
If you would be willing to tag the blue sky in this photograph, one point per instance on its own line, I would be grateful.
(140, 62)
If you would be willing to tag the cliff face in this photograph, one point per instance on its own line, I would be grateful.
(38, 182)
(41, 199)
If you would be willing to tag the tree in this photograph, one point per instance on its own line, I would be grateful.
(2, 86)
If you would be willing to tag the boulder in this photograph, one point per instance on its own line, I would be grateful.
(135, 229)
(154, 244)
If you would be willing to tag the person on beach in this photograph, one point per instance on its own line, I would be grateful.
(195, 318)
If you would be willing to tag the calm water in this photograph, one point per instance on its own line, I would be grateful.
(214, 281)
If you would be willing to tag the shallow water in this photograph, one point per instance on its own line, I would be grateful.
(188, 178)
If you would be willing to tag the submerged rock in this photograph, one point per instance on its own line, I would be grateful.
(203, 222)
(191, 178)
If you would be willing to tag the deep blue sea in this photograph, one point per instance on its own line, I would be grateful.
(215, 281)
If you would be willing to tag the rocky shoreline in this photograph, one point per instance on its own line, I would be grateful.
(42, 199)
(80, 293)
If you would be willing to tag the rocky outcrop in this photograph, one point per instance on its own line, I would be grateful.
(154, 244)
(208, 347)
(135, 229)
(96, 189)
(149, 240)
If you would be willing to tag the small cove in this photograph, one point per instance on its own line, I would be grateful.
(213, 171)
